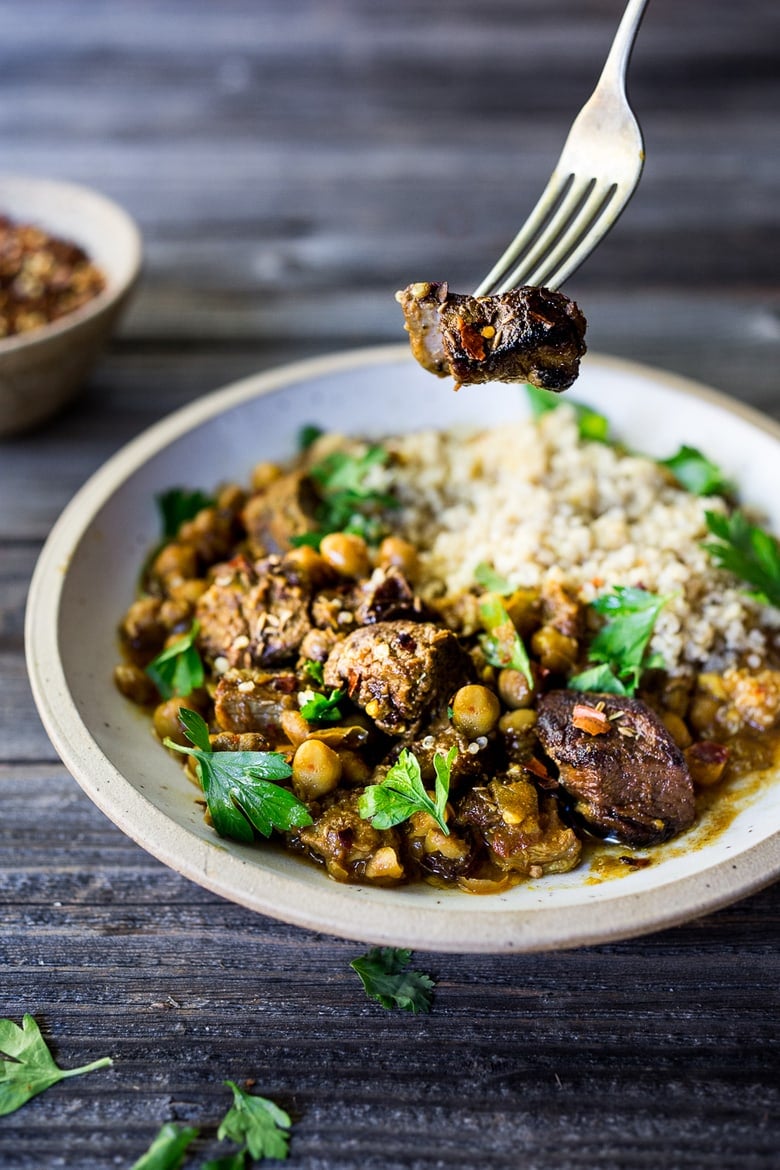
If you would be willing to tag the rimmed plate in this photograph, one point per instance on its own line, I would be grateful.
(85, 579)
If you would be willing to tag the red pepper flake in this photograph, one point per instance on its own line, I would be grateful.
(590, 719)
(472, 340)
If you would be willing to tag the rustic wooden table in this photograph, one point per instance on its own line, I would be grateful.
(291, 164)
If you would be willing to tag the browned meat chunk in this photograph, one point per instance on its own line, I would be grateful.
(398, 672)
(253, 700)
(254, 614)
(469, 766)
(626, 775)
(387, 596)
(527, 335)
(284, 510)
(350, 848)
(520, 827)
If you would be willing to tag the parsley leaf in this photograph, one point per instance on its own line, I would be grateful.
(257, 1123)
(238, 788)
(748, 551)
(382, 971)
(178, 670)
(29, 1067)
(307, 435)
(315, 671)
(177, 505)
(348, 501)
(696, 473)
(598, 678)
(501, 644)
(168, 1149)
(622, 642)
(590, 423)
(402, 792)
(235, 1161)
(486, 576)
(319, 709)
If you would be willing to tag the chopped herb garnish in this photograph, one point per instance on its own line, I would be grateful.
(486, 576)
(349, 502)
(598, 678)
(237, 785)
(27, 1067)
(178, 670)
(307, 435)
(256, 1123)
(746, 550)
(501, 644)
(315, 671)
(385, 978)
(696, 473)
(402, 792)
(590, 423)
(322, 708)
(178, 505)
(621, 644)
(168, 1149)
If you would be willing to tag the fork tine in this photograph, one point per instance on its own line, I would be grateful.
(554, 192)
(580, 238)
(558, 226)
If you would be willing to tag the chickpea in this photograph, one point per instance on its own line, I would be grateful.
(316, 770)
(703, 713)
(264, 474)
(354, 768)
(307, 561)
(176, 561)
(475, 710)
(177, 617)
(555, 651)
(231, 498)
(166, 718)
(346, 553)
(135, 684)
(523, 608)
(517, 721)
(514, 689)
(188, 591)
(400, 553)
(677, 729)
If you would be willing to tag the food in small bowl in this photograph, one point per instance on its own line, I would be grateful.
(69, 258)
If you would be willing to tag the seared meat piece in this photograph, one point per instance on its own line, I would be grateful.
(254, 614)
(285, 509)
(398, 672)
(520, 827)
(387, 596)
(253, 700)
(350, 848)
(316, 646)
(527, 335)
(628, 778)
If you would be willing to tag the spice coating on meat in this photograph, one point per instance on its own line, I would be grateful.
(629, 781)
(254, 700)
(284, 510)
(398, 672)
(253, 614)
(527, 335)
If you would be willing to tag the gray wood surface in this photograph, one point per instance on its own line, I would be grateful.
(291, 164)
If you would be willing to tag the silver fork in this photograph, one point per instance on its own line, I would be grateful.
(593, 180)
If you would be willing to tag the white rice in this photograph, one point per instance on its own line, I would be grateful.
(539, 504)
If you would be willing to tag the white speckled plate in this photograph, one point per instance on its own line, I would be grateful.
(85, 578)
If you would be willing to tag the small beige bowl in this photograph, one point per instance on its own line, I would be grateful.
(42, 370)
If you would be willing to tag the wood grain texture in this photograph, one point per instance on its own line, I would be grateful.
(291, 164)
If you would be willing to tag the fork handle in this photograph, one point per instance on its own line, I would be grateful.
(614, 71)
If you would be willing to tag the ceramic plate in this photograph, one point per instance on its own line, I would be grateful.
(85, 580)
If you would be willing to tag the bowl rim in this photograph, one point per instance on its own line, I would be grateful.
(115, 289)
(340, 910)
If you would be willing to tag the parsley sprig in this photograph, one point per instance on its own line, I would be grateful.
(322, 708)
(178, 670)
(590, 423)
(177, 505)
(238, 786)
(402, 792)
(748, 551)
(385, 978)
(168, 1148)
(501, 644)
(257, 1123)
(27, 1067)
(619, 649)
(486, 576)
(348, 501)
(696, 473)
